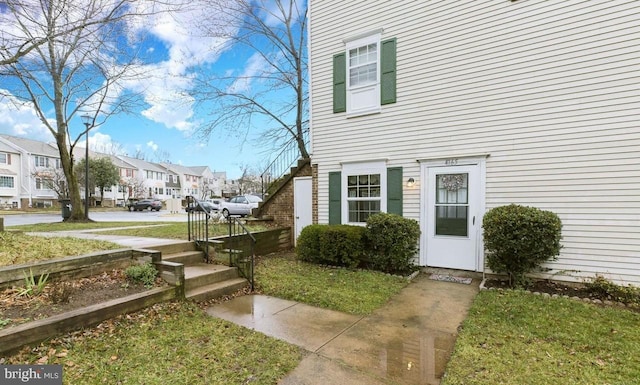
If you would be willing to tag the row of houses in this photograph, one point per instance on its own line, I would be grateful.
(31, 171)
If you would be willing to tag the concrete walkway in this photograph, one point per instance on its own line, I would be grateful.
(123, 240)
(407, 341)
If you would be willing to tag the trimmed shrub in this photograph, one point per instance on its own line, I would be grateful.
(343, 245)
(393, 242)
(144, 274)
(308, 244)
(338, 245)
(519, 239)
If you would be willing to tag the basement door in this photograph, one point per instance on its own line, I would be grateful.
(452, 216)
(302, 205)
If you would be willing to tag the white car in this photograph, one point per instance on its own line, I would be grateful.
(240, 205)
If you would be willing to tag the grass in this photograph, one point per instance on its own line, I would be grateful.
(168, 230)
(354, 292)
(17, 248)
(513, 337)
(171, 343)
(66, 226)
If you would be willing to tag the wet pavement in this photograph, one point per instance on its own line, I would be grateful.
(407, 341)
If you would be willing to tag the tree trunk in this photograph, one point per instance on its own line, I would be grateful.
(77, 209)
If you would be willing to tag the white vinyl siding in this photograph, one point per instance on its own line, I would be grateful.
(549, 90)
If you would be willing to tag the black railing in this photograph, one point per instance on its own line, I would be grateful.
(279, 166)
(198, 220)
(241, 248)
(240, 244)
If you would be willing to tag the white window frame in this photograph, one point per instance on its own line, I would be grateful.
(364, 99)
(7, 178)
(5, 156)
(38, 159)
(362, 168)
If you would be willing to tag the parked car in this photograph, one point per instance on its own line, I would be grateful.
(215, 203)
(207, 206)
(144, 204)
(240, 205)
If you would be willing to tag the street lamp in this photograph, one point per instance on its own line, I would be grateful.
(87, 120)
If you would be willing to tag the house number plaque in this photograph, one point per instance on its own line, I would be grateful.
(451, 162)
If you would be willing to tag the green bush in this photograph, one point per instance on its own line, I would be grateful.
(393, 242)
(144, 274)
(519, 239)
(343, 245)
(339, 245)
(603, 288)
(308, 244)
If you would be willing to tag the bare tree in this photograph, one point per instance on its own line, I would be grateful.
(273, 87)
(53, 179)
(81, 66)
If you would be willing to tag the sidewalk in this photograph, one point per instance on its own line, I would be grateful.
(123, 240)
(407, 341)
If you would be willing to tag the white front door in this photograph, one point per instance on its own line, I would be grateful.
(303, 213)
(452, 216)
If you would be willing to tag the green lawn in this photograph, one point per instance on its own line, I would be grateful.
(169, 230)
(354, 292)
(65, 226)
(517, 338)
(17, 248)
(170, 343)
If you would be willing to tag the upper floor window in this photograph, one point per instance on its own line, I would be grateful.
(5, 158)
(364, 76)
(41, 161)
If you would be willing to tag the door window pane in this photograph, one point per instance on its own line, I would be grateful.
(452, 204)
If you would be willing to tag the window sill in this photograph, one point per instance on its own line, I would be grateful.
(370, 111)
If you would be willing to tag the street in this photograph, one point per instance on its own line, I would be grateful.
(98, 216)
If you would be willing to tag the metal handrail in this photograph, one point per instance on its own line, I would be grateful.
(236, 230)
(195, 230)
(280, 165)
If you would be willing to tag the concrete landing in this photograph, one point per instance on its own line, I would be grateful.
(407, 341)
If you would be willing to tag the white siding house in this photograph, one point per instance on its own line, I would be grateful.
(38, 163)
(10, 159)
(442, 110)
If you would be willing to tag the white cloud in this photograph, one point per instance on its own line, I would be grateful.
(152, 145)
(104, 143)
(19, 119)
(166, 89)
(255, 66)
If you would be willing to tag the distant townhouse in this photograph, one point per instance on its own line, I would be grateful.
(35, 169)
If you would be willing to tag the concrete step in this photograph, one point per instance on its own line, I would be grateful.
(186, 257)
(177, 247)
(203, 274)
(216, 290)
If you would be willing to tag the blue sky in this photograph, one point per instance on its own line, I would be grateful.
(166, 121)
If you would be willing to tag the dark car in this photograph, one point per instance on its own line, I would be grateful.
(207, 206)
(145, 204)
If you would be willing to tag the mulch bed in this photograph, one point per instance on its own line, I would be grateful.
(557, 288)
(65, 295)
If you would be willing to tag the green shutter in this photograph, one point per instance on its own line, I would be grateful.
(335, 203)
(339, 83)
(394, 190)
(387, 72)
